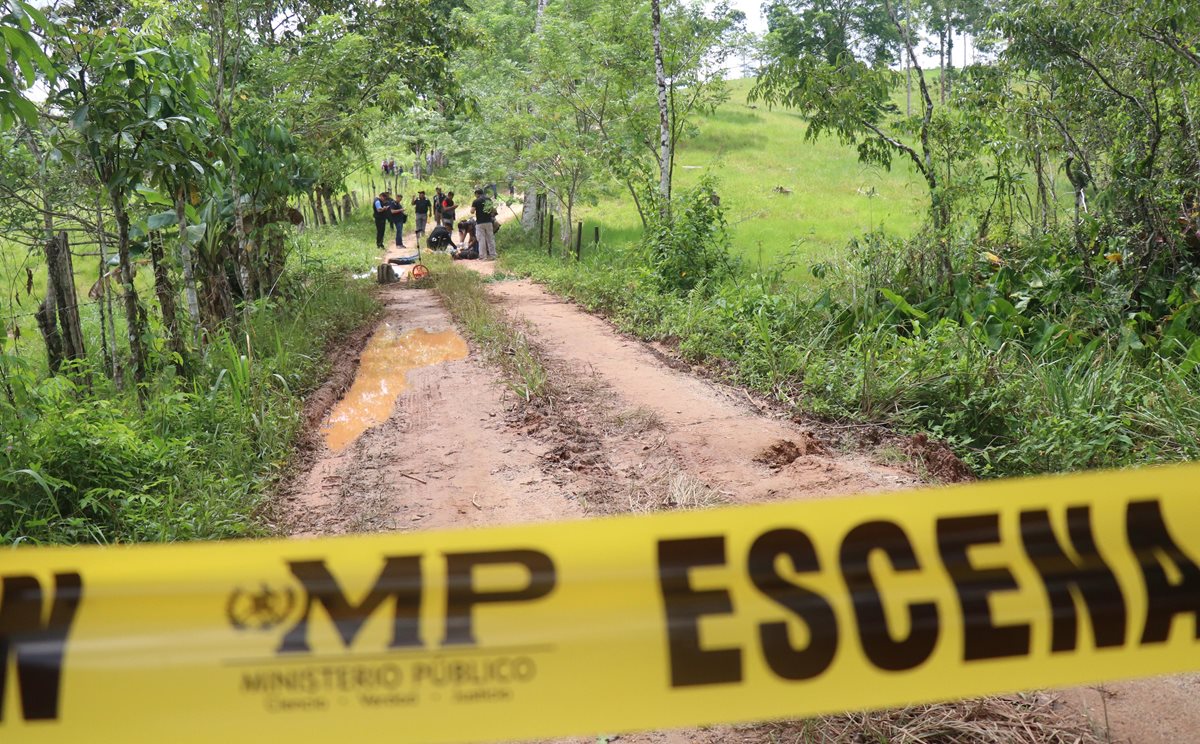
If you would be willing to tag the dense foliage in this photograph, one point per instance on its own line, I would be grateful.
(1020, 375)
(1036, 324)
(1046, 317)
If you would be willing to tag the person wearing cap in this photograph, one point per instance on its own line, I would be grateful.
(383, 214)
(421, 210)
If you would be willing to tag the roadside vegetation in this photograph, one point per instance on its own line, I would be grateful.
(177, 241)
(501, 341)
(1038, 311)
(195, 456)
(1042, 388)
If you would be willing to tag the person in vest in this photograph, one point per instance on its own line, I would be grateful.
(398, 217)
(448, 207)
(383, 214)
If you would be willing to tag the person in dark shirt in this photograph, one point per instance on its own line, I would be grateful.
(440, 238)
(398, 217)
(383, 213)
(485, 213)
(438, 198)
(421, 206)
(448, 207)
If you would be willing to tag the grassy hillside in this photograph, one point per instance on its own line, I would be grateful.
(751, 150)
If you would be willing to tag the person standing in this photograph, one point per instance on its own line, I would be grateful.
(485, 213)
(438, 198)
(383, 214)
(398, 218)
(420, 207)
(448, 207)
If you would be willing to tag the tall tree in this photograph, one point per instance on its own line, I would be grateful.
(664, 112)
(121, 97)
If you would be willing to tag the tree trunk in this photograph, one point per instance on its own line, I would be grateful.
(216, 297)
(58, 315)
(189, 273)
(101, 301)
(58, 261)
(325, 195)
(637, 202)
(664, 122)
(347, 207)
(942, 65)
(1043, 195)
(135, 316)
(166, 300)
(949, 58)
(315, 205)
(106, 305)
(529, 210)
(47, 323)
(907, 87)
(242, 247)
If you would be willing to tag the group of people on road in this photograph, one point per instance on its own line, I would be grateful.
(388, 167)
(389, 211)
(477, 235)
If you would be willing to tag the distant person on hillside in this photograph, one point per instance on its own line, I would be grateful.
(420, 207)
(448, 207)
(485, 214)
(398, 217)
(383, 214)
(440, 238)
(438, 197)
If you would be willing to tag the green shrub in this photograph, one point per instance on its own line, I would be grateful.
(1023, 364)
(193, 461)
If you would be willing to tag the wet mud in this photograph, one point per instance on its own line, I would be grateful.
(382, 376)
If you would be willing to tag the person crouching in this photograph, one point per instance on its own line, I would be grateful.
(441, 239)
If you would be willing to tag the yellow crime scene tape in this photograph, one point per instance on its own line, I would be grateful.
(611, 625)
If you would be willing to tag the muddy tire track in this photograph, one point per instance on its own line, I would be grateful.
(444, 457)
(716, 435)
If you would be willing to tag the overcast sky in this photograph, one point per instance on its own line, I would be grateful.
(756, 23)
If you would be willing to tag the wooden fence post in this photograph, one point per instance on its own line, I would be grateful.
(550, 237)
(597, 240)
(579, 241)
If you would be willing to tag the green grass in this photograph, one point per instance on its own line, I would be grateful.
(752, 150)
(502, 342)
(194, 458)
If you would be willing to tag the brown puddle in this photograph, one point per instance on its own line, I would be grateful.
(381, 377)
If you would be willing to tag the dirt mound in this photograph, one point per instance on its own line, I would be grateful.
(785, 451)
(938, 459)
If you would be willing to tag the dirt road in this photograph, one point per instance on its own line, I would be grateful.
(627, 429)
(629, 433)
